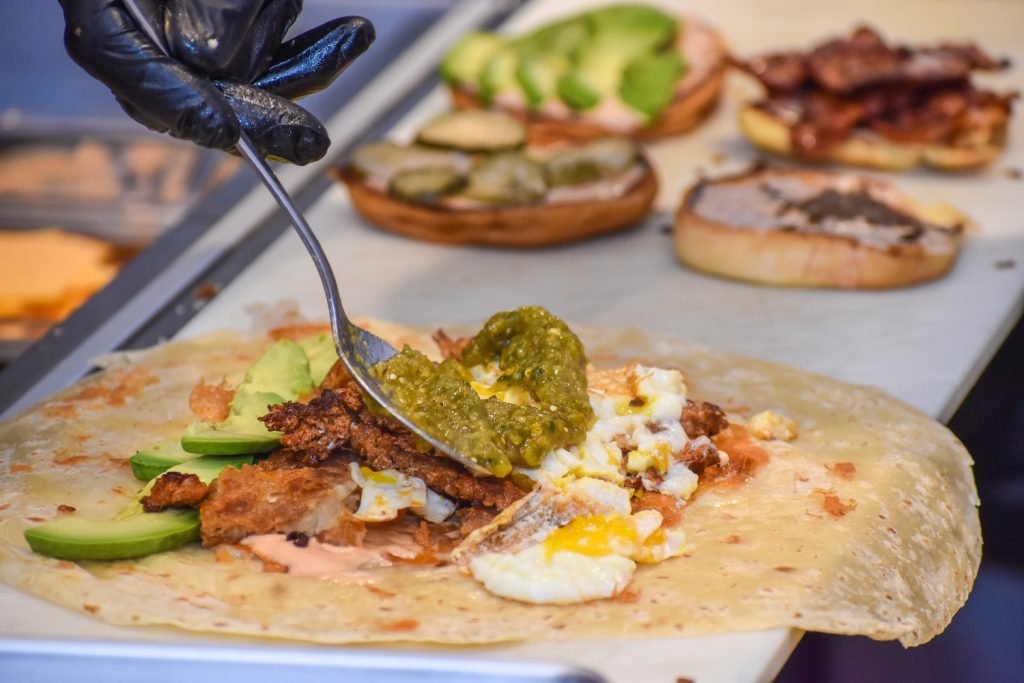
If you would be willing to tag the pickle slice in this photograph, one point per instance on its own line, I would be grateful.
(425, 185)
(474, 130)
(593, 161)
(508, 178)
(384, 160)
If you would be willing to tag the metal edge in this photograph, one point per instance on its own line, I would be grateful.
(151, 284)
(247, 660)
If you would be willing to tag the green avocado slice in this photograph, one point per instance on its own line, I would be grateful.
(153, 460)
(649, 82)
(133, 532)
(322, 355)
(224, 442)
(78, 538)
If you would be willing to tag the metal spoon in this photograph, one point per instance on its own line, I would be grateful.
(357, 348)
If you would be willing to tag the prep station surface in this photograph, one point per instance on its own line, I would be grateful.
(926, 345)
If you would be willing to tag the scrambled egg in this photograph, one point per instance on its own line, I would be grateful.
(642, 431)
(575, 538)
(386, 493)
(768, 425)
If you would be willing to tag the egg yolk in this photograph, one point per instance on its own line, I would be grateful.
(593, 535)
(377, 477)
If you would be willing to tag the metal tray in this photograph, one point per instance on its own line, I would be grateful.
(57, 661)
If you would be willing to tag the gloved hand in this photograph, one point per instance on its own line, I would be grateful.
(229, 70)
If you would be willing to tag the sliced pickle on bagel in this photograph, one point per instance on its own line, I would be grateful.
(425, 185)
(509, 178)
(384, 160)
(474, 130)
(592, 161)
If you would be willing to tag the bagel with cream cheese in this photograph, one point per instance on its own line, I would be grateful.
(814, 229)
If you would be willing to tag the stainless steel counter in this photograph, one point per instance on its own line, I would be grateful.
(926, 345)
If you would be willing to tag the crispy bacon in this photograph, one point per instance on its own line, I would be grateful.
(905, 94)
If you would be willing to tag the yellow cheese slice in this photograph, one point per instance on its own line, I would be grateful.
(48, 273)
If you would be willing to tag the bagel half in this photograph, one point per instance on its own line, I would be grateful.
(696, 96)
(526, 225)
(863, 100)
(814, 229)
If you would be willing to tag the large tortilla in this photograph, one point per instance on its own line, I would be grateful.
(888, 551)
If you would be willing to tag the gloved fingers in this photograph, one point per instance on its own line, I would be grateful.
(309, 62)
(231, 39)
(164, 95)
(278, 127)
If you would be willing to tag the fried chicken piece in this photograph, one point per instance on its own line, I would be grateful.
(705, 419)
(175, 490)
(316, 428)
(316, 501)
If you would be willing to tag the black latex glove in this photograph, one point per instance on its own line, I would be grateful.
(229, 69)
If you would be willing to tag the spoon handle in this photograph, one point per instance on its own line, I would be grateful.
(248, 152)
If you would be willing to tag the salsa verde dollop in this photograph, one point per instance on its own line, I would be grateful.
(535, 351)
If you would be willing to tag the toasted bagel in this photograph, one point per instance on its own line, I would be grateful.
(814, 229)
(527, 225)
(696, 96)
(865, 148)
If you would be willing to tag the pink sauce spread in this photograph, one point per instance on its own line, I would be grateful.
(330, 561)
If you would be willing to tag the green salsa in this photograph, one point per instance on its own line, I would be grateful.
(534, 351)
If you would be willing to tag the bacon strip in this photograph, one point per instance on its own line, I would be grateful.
(903, 93)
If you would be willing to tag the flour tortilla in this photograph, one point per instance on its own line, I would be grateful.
(765, 554)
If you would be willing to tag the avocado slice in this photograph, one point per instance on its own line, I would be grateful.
(77, 538)
(214, 441)
(207, 468)
(559, 37)
(620, 34)
(649, 82)
(499, 73)
(133, 532)
(467, 58)
(546, 54)
(150, 461)
(283, 369)
(321, 354)
(596, 74)
(634, 28)
(279, 375)
(538, 76)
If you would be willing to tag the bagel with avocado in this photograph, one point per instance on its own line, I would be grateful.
(627, 69)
